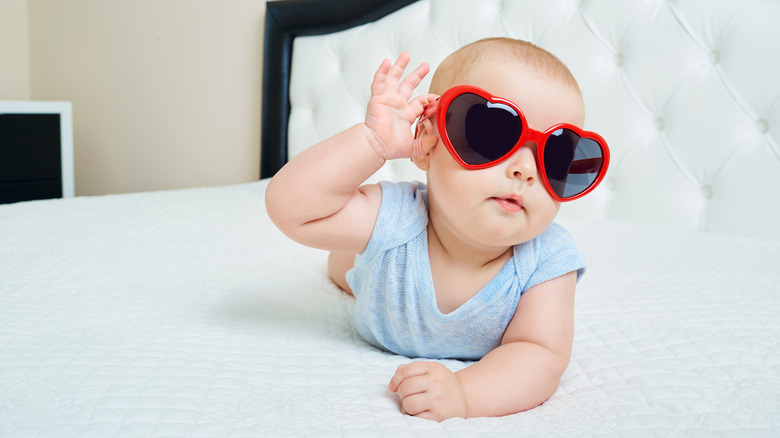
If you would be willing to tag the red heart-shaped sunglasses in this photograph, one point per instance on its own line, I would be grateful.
(481, 130)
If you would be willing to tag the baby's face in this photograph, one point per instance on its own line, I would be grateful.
(505, 204)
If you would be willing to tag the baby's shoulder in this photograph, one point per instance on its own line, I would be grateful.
(401, 190)
(403, 216)
(405, 198)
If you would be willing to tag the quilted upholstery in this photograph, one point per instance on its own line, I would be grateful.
(686, 92)
(187, 313)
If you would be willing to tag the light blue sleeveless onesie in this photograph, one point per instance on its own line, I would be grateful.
(395, 307)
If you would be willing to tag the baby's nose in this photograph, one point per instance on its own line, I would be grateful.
(522, 164)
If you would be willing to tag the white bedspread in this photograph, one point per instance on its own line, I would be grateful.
(186, 313)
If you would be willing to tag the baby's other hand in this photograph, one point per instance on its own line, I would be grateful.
(429, 390)
(390, 112)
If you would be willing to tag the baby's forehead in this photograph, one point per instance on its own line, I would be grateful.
(453, 74)
(511, 78)
(544, 99)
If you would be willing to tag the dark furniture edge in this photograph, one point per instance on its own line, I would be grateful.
(285, 20)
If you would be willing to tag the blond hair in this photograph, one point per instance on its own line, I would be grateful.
(527, 54)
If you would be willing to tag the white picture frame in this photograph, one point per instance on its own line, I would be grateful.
(65, 111)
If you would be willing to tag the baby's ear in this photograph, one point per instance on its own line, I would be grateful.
(426, 138)
(423, 162)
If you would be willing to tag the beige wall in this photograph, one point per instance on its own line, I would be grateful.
(14, 51)
(166, 93)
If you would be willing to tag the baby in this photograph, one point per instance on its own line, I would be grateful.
(438, 270)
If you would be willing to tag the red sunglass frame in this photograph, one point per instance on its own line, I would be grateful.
(527, 134)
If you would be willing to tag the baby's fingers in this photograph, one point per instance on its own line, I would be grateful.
(378, 85)
(404, 372)
(388, 75)
(425, 106)
(412, 386)
(418, 405)
(413, 80)
(397, 70)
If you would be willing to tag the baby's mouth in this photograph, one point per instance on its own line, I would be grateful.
(513, 203)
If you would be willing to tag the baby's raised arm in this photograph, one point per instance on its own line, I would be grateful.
(317, 198)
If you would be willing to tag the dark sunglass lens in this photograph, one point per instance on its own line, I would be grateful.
(481, 131)
(571, 163)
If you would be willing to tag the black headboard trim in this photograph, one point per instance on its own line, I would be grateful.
(285, 20)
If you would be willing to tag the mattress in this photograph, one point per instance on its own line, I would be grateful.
(186, 313)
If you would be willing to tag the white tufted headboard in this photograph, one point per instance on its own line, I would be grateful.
(686, 93)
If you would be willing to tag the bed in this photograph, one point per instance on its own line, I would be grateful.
(186, 313)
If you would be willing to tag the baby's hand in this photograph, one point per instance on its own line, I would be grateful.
(390, 112)
(429, 390)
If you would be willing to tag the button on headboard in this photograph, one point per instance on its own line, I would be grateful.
(686, 92)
